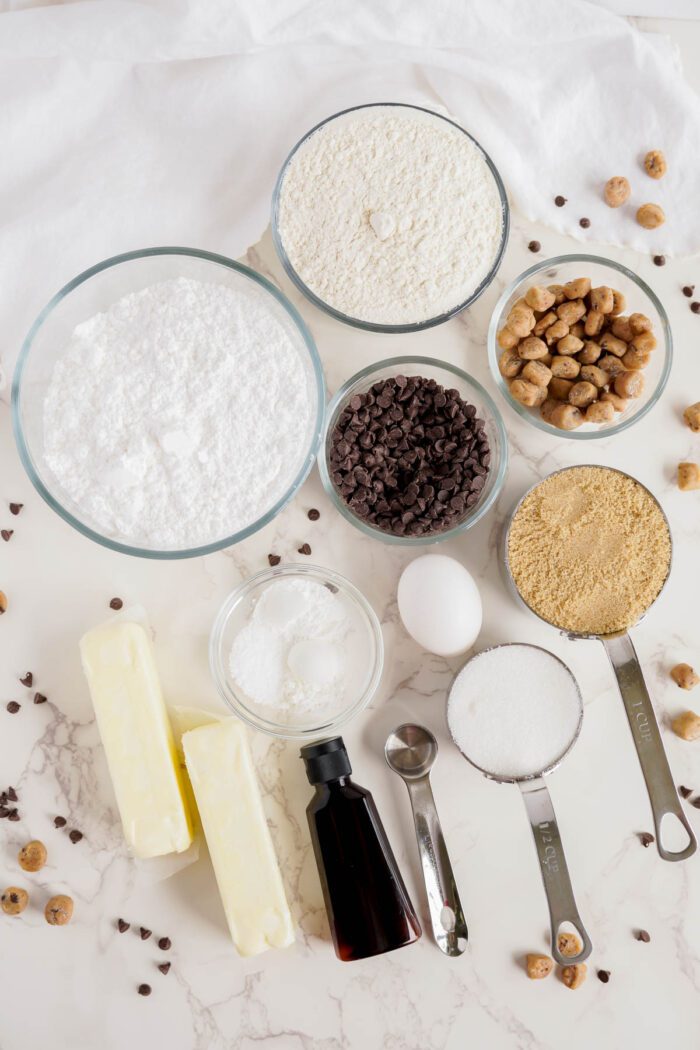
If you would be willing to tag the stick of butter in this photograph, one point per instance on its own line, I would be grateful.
(137, 738)
(223, 778)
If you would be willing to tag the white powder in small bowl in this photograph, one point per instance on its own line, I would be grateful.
(390, 215)
(514, 710)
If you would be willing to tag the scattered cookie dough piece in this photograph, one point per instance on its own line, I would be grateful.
(686, 725)
(617, 191)
(655, 164)
(574, 976)
(32, 857)
(14, 900)
(569, 944)
(684, 676)
(539, 966)
(651, 216)
(688, 477)
(58, 910)
(691, 416)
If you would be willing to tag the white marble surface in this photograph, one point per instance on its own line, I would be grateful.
(76, 986)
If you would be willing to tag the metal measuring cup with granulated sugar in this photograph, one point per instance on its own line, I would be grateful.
(600, 536)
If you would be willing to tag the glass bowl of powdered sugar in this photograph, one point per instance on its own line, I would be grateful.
(168, 402)
(296, 651)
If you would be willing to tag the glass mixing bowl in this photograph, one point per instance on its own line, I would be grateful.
(367, 655)
(640, 299)
(97, 289)
(449, 376)
(368, 325)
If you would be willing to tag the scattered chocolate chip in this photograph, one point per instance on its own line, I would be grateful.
(144, 989)
(659, 260)
(314, 514)
(116, 604)
(164, 967)
(123, 926)
(642, 935)
(274, 559)
(59, 822)
(560, 201)
(685, 792)
(164, 944)
(7, 534)
(27, 679)
(144, 933)
(12, 794)
(535, 246)
(646, 839)
(688, 290)
(584, 223)
(15, 508)
(39, 698)
(13, 707)
(304, 549)
(696, 802)
(4, 812)
(75, 836)
(13, 815)
(695, 307)
(604, 976)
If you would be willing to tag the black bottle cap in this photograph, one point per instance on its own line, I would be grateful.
(326, 760)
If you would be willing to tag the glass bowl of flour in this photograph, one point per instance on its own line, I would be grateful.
(390, 217)
(168, 402)
(296, 651)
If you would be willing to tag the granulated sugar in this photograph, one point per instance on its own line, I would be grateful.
(390, 215)
(514, 710)
(589, 550)
(179, 415)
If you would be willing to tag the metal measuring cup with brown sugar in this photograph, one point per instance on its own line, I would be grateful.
(601, 537)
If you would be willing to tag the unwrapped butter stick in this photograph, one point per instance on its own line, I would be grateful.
(223, 779)
(137, 738)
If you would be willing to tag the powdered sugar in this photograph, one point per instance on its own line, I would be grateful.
(181, 414)
(390, 215)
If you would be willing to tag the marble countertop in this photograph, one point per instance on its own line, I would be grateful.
(76, 986)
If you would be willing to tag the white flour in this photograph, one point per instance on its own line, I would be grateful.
(390, 215)
(179, 415)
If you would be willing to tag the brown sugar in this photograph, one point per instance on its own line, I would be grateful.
(589, 550)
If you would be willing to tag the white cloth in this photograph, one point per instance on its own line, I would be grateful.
(127, 124)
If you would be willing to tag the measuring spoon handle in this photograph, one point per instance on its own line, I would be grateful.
(555, 873)
(647, 740)
(446, 915)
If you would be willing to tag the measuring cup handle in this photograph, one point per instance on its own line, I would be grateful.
(446, 915)
(647, 740)
(555, 874)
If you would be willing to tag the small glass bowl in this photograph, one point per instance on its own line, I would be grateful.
(97, 289)
(449, 376)
(640, 299)
(370, 326)
(235, 613)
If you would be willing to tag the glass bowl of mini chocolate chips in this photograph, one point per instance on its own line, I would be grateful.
(414, 451)
(580, 346)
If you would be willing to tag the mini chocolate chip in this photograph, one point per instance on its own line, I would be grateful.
(659, 260)
(7, 534)
(695, 307)
(116, 604)
(4, 812)
(123, 926)
(13, 707)
(39, 698)
(144, 933)
(646, 839)
(685, 792)
(604, 976)
(164, 944)
(305, 549)
(560, 201)
(688, 290)
(15, 508)
(13, 815)
(696, 802)
(75, 836)
(274, 559)
(59, 822)
(12, 794)
(642, 935)
(584, 223)
(27, 679)
(144, 989)
(164, 967)
(535, 246)
(314, 514)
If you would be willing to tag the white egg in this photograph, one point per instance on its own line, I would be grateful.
(440, 604)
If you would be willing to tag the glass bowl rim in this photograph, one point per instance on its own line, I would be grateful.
(242, 591)
(537, 421)
(369, 326)
(480, 510)
(207, 548)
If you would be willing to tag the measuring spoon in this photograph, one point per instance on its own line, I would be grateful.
(411, 751)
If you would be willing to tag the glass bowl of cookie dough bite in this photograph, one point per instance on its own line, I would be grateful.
(580, 346)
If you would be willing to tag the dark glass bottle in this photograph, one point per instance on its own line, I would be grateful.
(368, 906)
